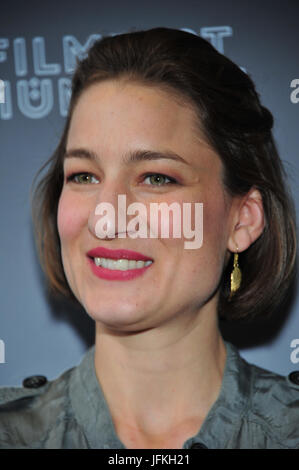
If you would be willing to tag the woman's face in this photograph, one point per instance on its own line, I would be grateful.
(111, 120)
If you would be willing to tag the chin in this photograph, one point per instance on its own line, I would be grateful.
(115, 316)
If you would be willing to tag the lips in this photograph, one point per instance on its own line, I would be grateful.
(113, 274)
(102, 252)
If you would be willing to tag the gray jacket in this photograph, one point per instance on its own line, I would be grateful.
(255, 409)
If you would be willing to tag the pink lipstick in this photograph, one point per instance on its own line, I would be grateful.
(116, 274)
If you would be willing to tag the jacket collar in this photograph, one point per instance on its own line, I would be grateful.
(93, 415)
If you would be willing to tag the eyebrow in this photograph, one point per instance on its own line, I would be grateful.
(129, 157)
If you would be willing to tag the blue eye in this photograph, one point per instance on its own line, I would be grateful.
(82, 178)
(157, 179)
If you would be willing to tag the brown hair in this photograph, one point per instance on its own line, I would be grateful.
(236, 125)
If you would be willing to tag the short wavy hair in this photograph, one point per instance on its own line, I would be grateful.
(234, 123)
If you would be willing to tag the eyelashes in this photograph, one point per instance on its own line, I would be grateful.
(156, 179)
(82, 178)
(160, 180)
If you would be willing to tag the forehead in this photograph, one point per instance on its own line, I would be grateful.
(116, 99)
(117, 116)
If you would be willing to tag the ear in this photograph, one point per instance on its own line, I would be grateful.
(248, 221)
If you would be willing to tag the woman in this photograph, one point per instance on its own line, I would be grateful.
(159, 116)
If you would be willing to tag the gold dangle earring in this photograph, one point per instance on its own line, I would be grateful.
(236, 276)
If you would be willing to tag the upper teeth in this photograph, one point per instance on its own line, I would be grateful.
(120, 264)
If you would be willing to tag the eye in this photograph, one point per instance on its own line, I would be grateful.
(82, 178)
(157, 179)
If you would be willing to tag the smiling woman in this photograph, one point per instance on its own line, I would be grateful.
(160, 117)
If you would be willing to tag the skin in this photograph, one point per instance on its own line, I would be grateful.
(159, 355)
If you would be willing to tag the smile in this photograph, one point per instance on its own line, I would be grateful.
(120, 264)
(117, 265)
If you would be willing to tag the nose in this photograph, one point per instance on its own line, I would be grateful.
(107, 218)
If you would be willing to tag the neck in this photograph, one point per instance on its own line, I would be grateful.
(164, 376)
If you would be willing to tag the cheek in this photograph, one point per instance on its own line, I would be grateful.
(215, 233)
(71, 217)
(173, 219)
(215, 220)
